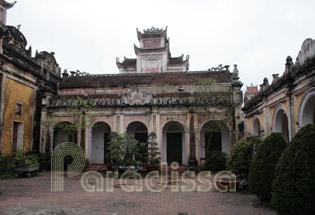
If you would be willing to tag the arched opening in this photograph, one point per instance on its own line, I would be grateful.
(308, 114)
(256, 128)
(281, 124)
(64, 132)
(173, 140)
(100, 139)
(140, 132)
(214, 136)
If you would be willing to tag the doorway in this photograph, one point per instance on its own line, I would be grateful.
(174, 147)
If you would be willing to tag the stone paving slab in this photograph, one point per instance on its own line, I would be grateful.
(33, 196)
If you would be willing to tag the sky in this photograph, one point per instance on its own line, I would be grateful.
(257, 35)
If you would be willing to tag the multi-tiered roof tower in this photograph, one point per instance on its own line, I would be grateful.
(153, 55)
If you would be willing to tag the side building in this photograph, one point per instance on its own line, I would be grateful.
(288, 103)
(24, 80)
(152, 93)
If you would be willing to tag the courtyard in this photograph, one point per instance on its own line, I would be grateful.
(33, 196)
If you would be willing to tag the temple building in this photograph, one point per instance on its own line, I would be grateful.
(153, 92)
(288, 102)
(24, 80)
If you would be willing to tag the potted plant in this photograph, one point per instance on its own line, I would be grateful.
(153, 153)
(26, 164)
(123, 149)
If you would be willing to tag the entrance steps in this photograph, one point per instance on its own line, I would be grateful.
(181, 169)
(97, 168)
(103, 168)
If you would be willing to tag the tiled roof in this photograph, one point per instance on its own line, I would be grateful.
(252, 90)
(143, 79)
(127, 62)
(176, 60)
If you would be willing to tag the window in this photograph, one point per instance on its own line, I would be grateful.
(18, 108)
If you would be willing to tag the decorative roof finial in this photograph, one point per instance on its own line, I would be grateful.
(235, 71)
(289, 59)
(266, 82)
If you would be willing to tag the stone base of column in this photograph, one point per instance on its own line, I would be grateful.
(193, 164)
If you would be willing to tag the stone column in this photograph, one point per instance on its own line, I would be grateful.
(192, 161)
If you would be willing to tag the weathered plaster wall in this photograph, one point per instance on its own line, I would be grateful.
(25, 95)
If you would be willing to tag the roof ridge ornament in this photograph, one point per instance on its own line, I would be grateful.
(219, 68)
(154, 30)
(79, 73)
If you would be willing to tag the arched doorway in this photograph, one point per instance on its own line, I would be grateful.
(308, 110)
(140, 132)
(173, 143)
(214, 136)
(280, 124)
(256, 128)
(100, 139)
(64, 132)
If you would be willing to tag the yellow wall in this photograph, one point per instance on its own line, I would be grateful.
(24, 94)
(250, 121)
(297, 102)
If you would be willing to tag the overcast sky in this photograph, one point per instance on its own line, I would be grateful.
(257, 35)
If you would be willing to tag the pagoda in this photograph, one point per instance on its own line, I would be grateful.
(153, 55)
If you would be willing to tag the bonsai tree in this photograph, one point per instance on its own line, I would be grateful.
(263, 166)
(294, 181)
(123, 149)
(241, 156)
(153, 150)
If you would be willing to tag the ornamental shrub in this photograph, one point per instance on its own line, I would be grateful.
(215, 161)
(294, 181)
(241, 157)
(263, 166)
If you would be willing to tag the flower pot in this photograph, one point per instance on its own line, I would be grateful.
(151, 168)
(28, 170)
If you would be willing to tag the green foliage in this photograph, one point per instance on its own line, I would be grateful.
(215, 161)
(294, 181)
(25, 160)
(154, 153)
(7, 175)
(8, 163)
(263, 166)
(123, 148)
(241, 157)
(76, 107)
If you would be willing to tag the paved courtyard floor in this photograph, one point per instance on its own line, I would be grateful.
(33, 196)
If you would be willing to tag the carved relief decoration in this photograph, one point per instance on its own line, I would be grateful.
(15, 38)
(48, 61)
(307, 51)
(152, 64)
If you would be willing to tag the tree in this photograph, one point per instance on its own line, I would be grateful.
(217, 105)
(294, 185)
(7, 112)
(263, 166)
(153, 149)
(241, 157)
(122, 149)
(76, 108)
